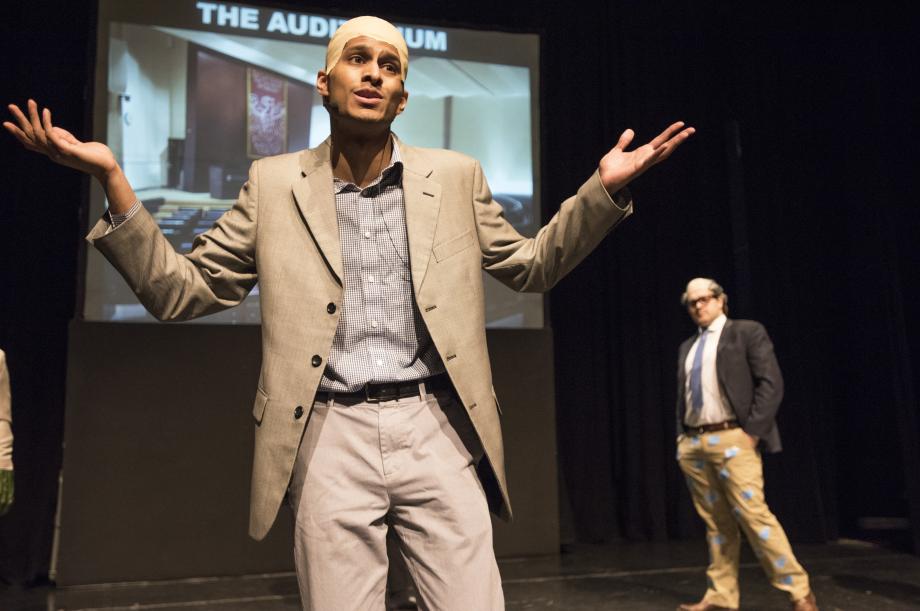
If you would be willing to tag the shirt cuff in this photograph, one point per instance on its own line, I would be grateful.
(117, 219)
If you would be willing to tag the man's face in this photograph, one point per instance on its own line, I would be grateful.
(365, 85)
(702, 306)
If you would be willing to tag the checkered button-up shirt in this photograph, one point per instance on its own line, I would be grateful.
(381, 336)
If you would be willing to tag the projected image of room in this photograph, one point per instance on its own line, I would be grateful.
(189, 110)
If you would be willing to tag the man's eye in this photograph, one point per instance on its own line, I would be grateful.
(356, 59)
(391, 67)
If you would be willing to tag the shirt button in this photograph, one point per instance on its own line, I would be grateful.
(367, 234)
(379, 363)
(298, 412)
(370, 278)
(374, 324)
(331, 308)
(316, 361)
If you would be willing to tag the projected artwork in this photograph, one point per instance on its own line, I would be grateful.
(190, 93)
(266, 117)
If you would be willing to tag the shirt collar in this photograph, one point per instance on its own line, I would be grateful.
(391, 175)
(716, 325)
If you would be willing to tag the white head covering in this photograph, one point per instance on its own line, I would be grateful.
(372, 27)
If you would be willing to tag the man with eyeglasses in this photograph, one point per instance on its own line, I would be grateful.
(729, 388)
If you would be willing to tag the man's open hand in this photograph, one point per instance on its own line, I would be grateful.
(39, 135)
(619, 167)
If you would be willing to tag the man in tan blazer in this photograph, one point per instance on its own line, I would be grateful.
(353, 448)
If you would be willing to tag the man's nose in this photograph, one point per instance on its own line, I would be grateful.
(372, 72)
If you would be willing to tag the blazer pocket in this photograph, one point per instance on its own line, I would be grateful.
(452, 246)
(258, 408)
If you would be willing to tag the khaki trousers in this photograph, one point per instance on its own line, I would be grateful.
(725, 477)
(408, 464)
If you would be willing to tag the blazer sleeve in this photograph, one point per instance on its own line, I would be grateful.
(681, 404)
(767, 380)
(218, 273)
(6, 417)
(536, 264)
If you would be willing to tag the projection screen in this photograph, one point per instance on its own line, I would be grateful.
(188, 94)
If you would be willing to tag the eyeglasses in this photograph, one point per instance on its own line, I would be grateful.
(700, 301)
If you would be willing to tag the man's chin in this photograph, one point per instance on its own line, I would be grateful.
(367, 120)
(370, 119)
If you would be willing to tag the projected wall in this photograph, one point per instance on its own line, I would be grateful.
(189, 93)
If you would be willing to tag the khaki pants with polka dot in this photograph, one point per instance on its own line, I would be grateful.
(725, 477)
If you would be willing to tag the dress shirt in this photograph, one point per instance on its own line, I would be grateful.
(381, 336)
(715, 407)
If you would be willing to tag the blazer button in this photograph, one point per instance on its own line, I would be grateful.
(331, 308)
(298, 412)
(316, 361)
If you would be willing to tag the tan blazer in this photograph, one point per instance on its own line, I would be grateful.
(282, 232)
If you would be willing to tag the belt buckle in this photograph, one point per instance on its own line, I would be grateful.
(385, 392)
(368, 396)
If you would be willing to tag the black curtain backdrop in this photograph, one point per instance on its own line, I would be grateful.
(796, 194)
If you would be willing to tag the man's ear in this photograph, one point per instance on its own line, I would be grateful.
(402, 102)
(322, 83)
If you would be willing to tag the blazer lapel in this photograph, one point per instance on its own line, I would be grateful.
(316, 200)
(423, 202)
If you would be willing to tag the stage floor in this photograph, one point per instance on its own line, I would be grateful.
(848, 575)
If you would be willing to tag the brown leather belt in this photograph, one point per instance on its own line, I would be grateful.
(388, 391)
(710, 428)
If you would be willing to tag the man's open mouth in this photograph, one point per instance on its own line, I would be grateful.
(369, 94)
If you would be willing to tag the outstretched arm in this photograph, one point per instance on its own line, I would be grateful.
(219, 271)
(36, 133)
(536, 264)
(619, 167)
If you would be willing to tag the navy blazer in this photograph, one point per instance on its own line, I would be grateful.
(749, 378)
